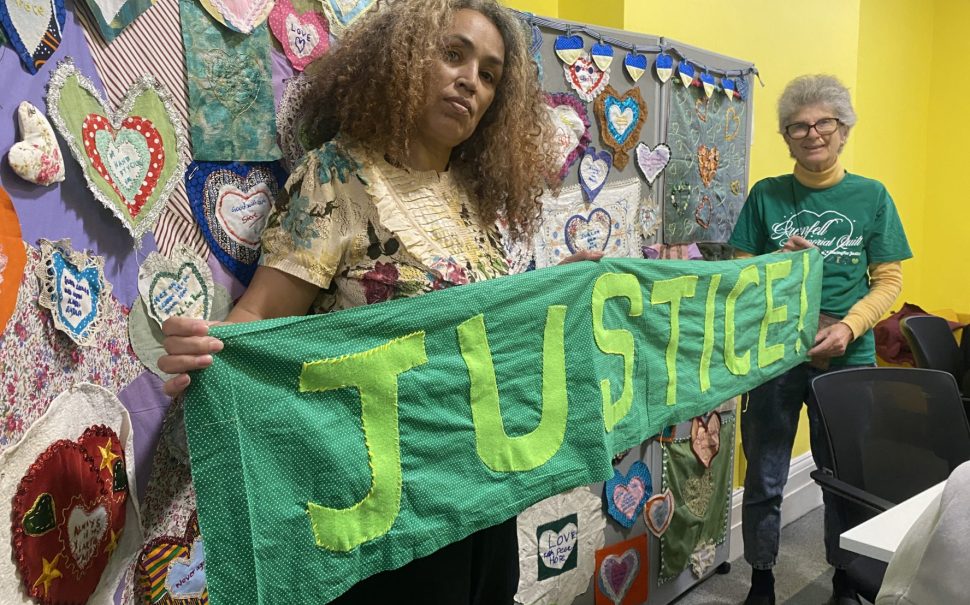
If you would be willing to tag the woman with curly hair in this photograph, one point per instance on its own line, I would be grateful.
(430, 123)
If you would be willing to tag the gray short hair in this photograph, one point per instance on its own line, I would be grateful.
(818, 89)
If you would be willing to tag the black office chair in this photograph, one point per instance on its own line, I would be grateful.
(892, 433)
(934, 346)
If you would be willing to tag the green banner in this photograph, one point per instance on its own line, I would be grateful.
(328, 448)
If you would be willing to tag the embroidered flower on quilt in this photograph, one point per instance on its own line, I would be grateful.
(380, 283)
(332, 157)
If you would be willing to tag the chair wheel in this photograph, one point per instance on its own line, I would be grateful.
(724, 568)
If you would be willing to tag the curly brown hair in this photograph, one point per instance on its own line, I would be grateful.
(373, 88)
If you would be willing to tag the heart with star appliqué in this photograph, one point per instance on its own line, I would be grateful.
(172, 569)
(73, 287)
(131, 158)
(620, 118)
(231, 202)
(68, 516)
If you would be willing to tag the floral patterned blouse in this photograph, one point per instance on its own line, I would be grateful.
(366, 231)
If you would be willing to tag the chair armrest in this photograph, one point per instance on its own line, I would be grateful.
(849, 492)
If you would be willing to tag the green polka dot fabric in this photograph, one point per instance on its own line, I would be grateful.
(325, 449)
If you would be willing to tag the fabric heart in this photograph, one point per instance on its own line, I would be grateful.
(658, 512)
(708, 159)
(652, 161)
(231, 203)
(179, 285)
(67, 519)
(13, 257)
(33, 28)
(732, 124)
(708, 84)
(704, 212)
(698, 491)
(343, 13)
(705, 438)
(172, 569)
(636, 65)
(626, 495)
(568, 48)
(727, 85)
(73, 287)
(225, 73)
(109, 9)
(602, 55)
(585, 78)
(36, 157)
(304, 36)
(620, 118)
(555, 547)
(132, 158)
(240, 15)
(590, 232)
(686, 72)
(617, 573)
(594, 168)
(700, 108)
(570, 123)
(664, 66)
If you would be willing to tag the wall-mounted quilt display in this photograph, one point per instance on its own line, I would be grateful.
(702, 498)
(706, 180)
(33, 29)
(558, 538)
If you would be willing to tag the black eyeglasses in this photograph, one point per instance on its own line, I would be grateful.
(800, 130)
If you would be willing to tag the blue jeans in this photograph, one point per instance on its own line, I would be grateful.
(768, 426)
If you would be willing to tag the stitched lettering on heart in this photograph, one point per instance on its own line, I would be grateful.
(179, 294)
(85, 530)
(568, 128)
(77, 293)
(658, 512)
(621, 116)
(555, 547)
(130, 159)
(705, 438)
(652, 161)
(594, 168)
(303, 37)
(585, 78)
(590, 232)
(171, 569)
(243, 214)
(186, 574)
(708, 159)
(617, 573)
(627, 498)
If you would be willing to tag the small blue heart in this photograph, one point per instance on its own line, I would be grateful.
(635, 64)
(686, 70)
(728, 85)
(83, 289)
(707, 78)
(664, 65)
(627, 494)
(602, 55)
(569, 43)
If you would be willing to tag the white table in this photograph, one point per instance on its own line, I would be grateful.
(880, 536)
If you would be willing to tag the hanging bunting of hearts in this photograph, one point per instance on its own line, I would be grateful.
(569, 48)
(341, 14)
(621, 572)
(658, 512)
(33, 28)
(242, 16)
(636, 65)
(705, 437)
(570, 123)
(585, 78)
(179, 285)
(594, 168)
(602, 55)
(231, 203)
(652, 161)
(13, 257)
(172, 569)
(664, 66)
(303, 36)
(36, 157)
(686, 72)
(73, 287)
(708, 84)
(620, 119)
(132, 158)
(626, 494)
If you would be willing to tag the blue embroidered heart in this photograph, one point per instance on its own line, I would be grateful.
(77, 293)
(33, 29)
(626, 494)
(602, 55)
(568, 48)
(727, 85)
(621, 117)
(664, 65)
(231, 202)
(588, 232)
(635, 64)
(186, 578)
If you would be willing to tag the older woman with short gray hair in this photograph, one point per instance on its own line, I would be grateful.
(854, 224)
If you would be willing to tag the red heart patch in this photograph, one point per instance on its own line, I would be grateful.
(705, 438)
(68, 515)
(135, 157)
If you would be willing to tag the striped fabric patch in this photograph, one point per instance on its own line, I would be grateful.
(156, 561)
(126, 59)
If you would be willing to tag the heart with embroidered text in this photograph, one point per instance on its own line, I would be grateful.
(626, 494)
(341, 14)
(585, 78)
(705, 438)
(620, 118)
(556, 547)
(239, 15)
(73, 287)
(67, 519)
(131, 158)
(636, 65)
(686, 72)
(658, 512)
(602, 55)
(179, 285)
(570, 124)
(172, 569)
(568, 48)
(303, 36)
(231, 203)
(33, 29)
(664, 66)
(594, 168)
(590, 232)
(652, 161)
(36, 157)
(617, 573)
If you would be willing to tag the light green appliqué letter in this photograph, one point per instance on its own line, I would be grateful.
(616, 342)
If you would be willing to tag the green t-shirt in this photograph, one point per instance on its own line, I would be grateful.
(853, 224)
